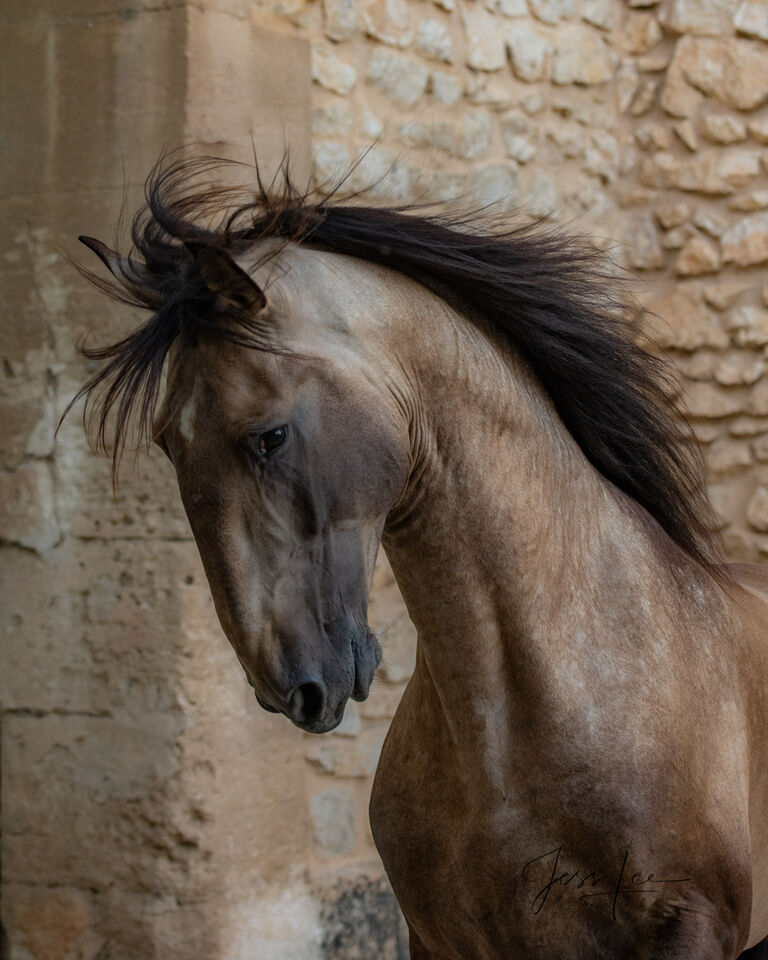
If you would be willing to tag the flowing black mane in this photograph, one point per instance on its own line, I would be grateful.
(550, 293)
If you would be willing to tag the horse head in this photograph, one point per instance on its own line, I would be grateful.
(289, 453)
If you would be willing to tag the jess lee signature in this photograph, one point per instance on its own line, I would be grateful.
(550, 867)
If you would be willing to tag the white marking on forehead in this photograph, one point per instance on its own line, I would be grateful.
(187, 418)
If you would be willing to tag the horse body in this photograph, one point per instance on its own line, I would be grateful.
(579, 684)
(577, 768)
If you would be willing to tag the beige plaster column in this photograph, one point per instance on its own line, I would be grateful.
(148, 809)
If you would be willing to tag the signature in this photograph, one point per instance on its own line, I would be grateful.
(616, 885)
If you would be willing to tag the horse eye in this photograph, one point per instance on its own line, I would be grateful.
(271, 440)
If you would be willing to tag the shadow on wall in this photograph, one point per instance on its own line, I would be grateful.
(360, 919)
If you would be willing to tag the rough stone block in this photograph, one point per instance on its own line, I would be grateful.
(723, 128)
(708, 401)
(330, 71)
(491, 90)
(734, 72)
(569, 137)
(542, 196)
(641, 33)
(356, 757)
(397, 75)
(746, 242)
(436, 134)
(710, 222)
(372, 126)
(496, 184)
(750, 325)
(27, 511)
(759, 129)
(333, 822)
(723, 295)
(726, 455)
(382, 701)
(645, 97)
(760, 449)
(757, 403)
(388, 21)
(673, 214)
(332, 161)
(509, 8)
(602, 156)
(484, 39)
(626, 83)
(28, 422)
(433, 40)
(748, 426)
(739, 369)
(757, 510)
(582, 56)
(686, 131)
(684, 322)
(710, 171)
(475, 135)
(698, 256)
(600, 13)
(551, 11)
(677, 237)
(678, 97)
(515, 131)
(332, 119)
(340, 19)
(398, 641)
(446, 88)
(644, 251)
(445, 187)
(749, 202)
(383, 173)
(530, 52)
(697, 366)
(751, 18)
(703, 17)
(654, 62)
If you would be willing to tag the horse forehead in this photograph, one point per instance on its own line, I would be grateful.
(218, 378)
(316, 291)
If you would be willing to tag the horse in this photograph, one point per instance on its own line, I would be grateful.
(578, 767)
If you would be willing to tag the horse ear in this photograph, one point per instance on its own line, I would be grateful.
(132, 275)
(225, 278)
(119, 266)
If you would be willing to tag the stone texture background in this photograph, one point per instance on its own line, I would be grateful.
(149, 809)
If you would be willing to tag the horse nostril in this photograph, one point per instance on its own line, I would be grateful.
(306, 702)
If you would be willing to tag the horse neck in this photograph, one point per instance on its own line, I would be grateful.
(508, 543)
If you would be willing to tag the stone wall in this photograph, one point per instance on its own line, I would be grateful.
(149, 810)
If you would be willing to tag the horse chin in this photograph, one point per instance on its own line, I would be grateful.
(367, 659)
(323, 724)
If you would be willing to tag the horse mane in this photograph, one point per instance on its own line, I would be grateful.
(553, 295)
